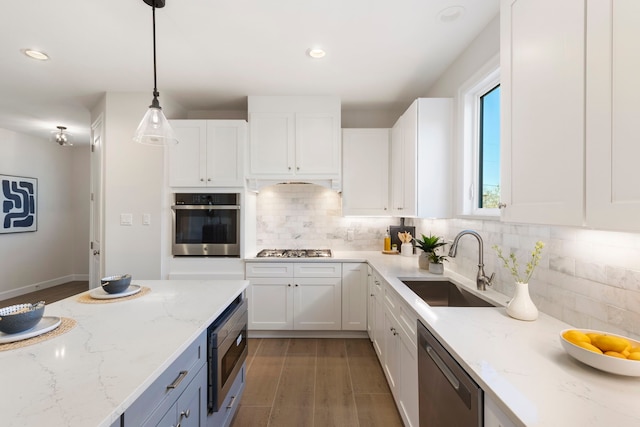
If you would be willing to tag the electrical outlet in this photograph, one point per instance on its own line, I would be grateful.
(146, 219)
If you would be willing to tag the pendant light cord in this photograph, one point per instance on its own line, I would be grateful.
(155, 80)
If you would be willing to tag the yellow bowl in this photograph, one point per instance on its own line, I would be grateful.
(602, 362)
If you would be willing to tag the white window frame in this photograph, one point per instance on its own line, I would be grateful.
(487, 78)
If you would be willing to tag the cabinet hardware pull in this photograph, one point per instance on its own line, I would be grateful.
(185, 413)
(296, 285)
(231, 402)
(201, 179)
(502, 205)
(178, 380)
(372, 295)
(298, 168)
(289, 284)
(96, 252)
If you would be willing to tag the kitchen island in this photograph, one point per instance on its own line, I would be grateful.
(91, 374)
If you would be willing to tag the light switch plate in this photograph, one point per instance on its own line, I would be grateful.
(146, 219)
(126, 219)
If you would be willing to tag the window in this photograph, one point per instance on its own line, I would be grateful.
(489, 149)
(479, 108)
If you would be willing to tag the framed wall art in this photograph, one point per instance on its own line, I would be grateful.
(18, 204)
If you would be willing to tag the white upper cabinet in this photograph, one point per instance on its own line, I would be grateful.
(569, 103)
(209, 153)
(613, 112)
(365, 172)
(542, 72)
(294, 137)
(421, 167)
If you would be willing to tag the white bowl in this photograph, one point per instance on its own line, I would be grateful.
(602, 362)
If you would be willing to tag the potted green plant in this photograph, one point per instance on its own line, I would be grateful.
(436, 261)
(428, 245)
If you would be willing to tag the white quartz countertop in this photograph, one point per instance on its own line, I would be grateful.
(89, 376)
(521, 365)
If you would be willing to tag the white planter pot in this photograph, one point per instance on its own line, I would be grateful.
(521, 307)
(436, 268)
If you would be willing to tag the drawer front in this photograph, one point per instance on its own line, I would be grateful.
(169, 385)
(317, 269)
(229, 406)
(268, 269)
(408, 320)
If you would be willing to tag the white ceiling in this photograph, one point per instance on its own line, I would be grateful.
(381, 54)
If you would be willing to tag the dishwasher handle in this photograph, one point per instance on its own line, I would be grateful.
(462, 391)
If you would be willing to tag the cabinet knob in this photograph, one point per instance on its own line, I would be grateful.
(296, 285)
(385, 208)
(289, 168)
(289, 284)
(185, 414)
(201, 179)
(372, 295)
(298, 168)
(502, 205)
(209, 179)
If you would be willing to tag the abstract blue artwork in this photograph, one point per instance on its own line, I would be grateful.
(18, 198)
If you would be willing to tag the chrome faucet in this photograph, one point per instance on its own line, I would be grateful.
(482, 281)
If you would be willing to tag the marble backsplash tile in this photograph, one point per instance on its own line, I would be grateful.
(587, 278)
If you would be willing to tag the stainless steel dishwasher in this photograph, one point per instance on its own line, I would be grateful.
(448, 395)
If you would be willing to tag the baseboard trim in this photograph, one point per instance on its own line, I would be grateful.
(307, 334)
(42, 285)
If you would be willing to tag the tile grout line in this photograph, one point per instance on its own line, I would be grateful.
(353, 391)
(273, 401)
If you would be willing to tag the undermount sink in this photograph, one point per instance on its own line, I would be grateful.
(442, 293)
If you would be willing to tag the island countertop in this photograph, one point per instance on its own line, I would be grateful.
(91, 374)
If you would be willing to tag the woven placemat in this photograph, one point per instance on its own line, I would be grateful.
(66, 324)
(85, 298)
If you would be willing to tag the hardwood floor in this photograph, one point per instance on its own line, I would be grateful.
(315, 383)
(49, 295)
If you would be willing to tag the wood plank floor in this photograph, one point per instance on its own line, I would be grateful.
(315, 383)
(49, 295)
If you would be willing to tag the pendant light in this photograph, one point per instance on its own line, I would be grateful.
(62, 137)
(154, 129)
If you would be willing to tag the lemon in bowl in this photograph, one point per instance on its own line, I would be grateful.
(607, 352)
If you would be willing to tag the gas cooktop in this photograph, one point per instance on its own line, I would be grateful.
(294, 253)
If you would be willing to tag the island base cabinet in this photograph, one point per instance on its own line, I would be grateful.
(176, 388)
(189, 410)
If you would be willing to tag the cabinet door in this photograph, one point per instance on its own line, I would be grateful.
(493, 415)
(379, 331)
(187, 163)
(397, 175)
(271, 143)
(409, 161)
(391, 355)
(317, 303)
(271, 303)
(365, 172)
(225, 152)
(317, 149)
(354, 296)
(408, 396)
(613, 65)
(542, 104)
(191, 406)
(371, 304)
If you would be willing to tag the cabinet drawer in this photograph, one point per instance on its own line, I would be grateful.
(408, 320)
(229, 406)
(269, 269)
(317, 269)
(178, 376)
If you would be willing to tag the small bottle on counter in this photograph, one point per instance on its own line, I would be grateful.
(387, 241)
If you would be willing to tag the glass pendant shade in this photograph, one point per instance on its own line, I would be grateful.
(62, 137)
(154, 128)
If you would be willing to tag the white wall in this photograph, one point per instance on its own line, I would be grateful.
(133, 184)
(52, 254)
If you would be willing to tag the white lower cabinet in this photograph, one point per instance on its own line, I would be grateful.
(493, 416)
(354, 296)
(294, 296)
(399, 355)
(378, 315)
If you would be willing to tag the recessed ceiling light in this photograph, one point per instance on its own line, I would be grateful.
(450, 14)
(316, 53)
(35, 54)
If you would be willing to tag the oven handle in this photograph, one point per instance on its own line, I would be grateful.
(205, 207)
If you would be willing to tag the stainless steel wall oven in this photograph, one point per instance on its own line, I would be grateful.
(226, 351)
(206, 224)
